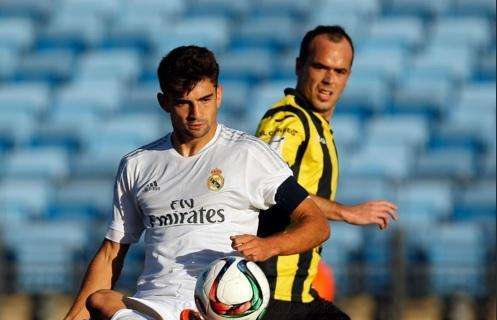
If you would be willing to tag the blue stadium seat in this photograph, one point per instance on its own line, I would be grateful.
(437, 94)
(338, 252)
(137, 129)
(235, 97)
(142, 98)
(487, 163)
(249, 65)
(83, 199)
(353, 22)
(210, 32)
(43, 163)
(423, 8)
(276, 33)
(479, 95)
(354, 189)
(432, 196)
(412, 130)
(75, 31)
(442, 60)
(167, 9)
(226, 8)
(377, 258)
(486, 67)
(16, 33)
(477, 202)
(393, 65)
(8, 62)
(16, 127)
(33, 9)
(289, 8)
(268, 93)
(384, 161)
(470, 31)
(347, 130)
(407, 32)
(44, 253)
(119, 64)
(101, 162)
(439, 163)
(457, 256)
(13, 215)
(367, 94)
(89, 7)
(53, 66)
(478, 7)
(368, 8)
(94, 95)
(30, 195)
(32, 97)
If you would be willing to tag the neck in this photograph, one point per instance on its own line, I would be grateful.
(188, 146)
(308, 105)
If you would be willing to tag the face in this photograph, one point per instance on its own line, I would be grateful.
(194, 116)
(323, 77)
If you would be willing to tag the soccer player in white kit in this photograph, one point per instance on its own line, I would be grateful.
(195, 194)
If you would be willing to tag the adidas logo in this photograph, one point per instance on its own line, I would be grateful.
(152, 186)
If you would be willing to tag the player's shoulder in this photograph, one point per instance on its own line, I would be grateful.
(149, 150)
(242, 141)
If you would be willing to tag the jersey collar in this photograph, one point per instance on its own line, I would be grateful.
(303, 102)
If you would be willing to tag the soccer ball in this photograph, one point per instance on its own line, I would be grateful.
(232, 287)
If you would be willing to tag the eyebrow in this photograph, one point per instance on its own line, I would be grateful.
(181, 100)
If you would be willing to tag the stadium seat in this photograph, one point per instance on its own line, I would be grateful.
(355, 189)
(103, 10)
(404, 31)
(364, 8)
(479, 95)
(412, 130)
(32, 9)
(457, 254)
(30, 195)
(83, 199)
(16, 127)
(435, 197)
(32, 97)
(440, 163)
(347, 130)
(227, 8)
(166, 9)
(471, 31)
(249, 65)
(477, 201)
(73, 31)
(442, 60)
(8, 62)
(353, 22)
(16, 33)
(386, 161)
(486, 67)
(275, 33)
(290, 8)
(53, 66)
(436, 97)
(393, 62)
(44, 163)
(423, 8)
(367, 94)
(485, 8)
(142, 98)
(235, 97)
(102, 96)
(268, 93)
(119, 64)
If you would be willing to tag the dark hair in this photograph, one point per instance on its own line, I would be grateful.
(183, 67)
(334, 33)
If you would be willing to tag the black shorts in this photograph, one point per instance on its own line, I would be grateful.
(315, 310)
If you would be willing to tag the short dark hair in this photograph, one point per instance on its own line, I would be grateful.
(183, 67)
(334, 33)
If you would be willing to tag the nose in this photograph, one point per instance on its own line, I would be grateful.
(328, 77)
(194, 110)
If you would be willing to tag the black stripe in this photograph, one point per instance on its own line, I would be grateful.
(337, 157)
(284, 118)
(324, 185)
(270, 270)
(301, 275)
(303, 146)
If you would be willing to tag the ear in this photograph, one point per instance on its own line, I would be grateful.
(161, 98)
(298, 67)
(219, 95)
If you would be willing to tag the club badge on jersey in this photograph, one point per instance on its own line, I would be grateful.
(215, 182)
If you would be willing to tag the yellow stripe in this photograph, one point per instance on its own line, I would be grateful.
(286, 276)
(306, 297)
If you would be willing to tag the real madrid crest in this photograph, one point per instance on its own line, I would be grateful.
(215, 182)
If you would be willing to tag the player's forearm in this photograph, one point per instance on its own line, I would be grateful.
(103, 271)
(306, 231)
(331, 209)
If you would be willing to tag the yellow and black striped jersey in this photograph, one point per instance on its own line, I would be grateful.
(305, 141)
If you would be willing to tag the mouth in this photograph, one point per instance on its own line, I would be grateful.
(324, 94)
(195, 125)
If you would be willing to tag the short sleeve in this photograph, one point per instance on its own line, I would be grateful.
(284, 132)
(126, 225)
(265, 172)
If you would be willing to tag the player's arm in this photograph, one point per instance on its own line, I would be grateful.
(102, 273)
(379, 212)
(308, 228)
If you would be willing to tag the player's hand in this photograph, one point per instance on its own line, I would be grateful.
(379, 212)
(252, 247)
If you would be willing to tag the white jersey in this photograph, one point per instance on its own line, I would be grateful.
(190, 206)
